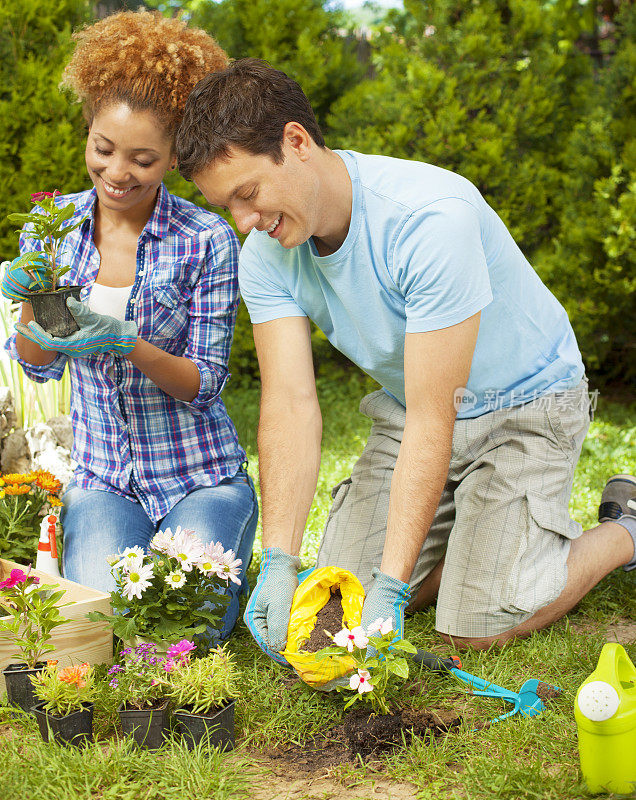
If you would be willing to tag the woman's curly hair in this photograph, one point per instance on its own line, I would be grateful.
(143, 59)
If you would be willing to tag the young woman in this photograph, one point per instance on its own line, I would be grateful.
(154, 444)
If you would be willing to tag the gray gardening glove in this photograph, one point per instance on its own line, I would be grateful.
(267, 612)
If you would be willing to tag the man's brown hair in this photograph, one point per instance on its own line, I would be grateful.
(245, 105)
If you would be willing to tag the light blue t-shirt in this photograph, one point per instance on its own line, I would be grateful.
(424, 251)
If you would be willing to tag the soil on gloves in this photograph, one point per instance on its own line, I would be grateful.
(364, 735)
(329, 618)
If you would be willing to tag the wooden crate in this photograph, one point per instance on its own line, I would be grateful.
(77, 640)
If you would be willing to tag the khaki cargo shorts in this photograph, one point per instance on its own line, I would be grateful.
(502, 523)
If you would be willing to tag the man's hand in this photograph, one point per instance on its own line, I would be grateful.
(16, 282)
(267, 612)
(98, 333)
(387, 597)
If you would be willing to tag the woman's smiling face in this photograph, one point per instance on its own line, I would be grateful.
(127, 155)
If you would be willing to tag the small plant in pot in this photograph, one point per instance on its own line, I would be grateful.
(65, 713)
(29, 612)
(176, 590)
(47, 224)
(139, 681)
(204, 691)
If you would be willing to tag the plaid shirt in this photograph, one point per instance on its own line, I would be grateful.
(130, 437)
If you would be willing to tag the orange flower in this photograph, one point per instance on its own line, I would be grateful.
(14, 477)
(15, 489)
(75, 675)
(45, 480)
(51, 662)
(52, 500)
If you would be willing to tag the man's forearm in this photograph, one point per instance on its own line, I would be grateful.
(420, 473)
(289, 437)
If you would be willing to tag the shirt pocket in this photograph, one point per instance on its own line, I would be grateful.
(169, 318)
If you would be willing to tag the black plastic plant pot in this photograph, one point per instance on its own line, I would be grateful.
(217, 728)
(51, 313)
(17, 678)
(74, 729)
(147, 726)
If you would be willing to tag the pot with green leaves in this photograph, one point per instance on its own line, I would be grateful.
(139, 681)
(65, 711)
(35, 275)
(32, 613)
(204, 691)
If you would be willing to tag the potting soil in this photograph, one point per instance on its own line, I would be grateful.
(329, 618)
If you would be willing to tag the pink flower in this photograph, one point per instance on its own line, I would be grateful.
(17, 576)
(229, 568)
(169, 665)
(37, 197)
(181, 649)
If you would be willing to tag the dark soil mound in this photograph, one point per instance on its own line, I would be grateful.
(369, 734)
(329, 618)
(365, 735)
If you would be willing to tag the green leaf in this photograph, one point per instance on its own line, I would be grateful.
(400, 667)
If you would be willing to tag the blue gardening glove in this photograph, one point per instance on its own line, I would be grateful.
(387, 597)
(267, 612)
(98, 333)
(16, 282)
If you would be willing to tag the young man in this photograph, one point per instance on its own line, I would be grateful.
(462, 490)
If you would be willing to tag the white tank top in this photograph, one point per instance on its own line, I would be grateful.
(109, 300)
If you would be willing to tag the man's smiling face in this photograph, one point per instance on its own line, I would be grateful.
(278, 198)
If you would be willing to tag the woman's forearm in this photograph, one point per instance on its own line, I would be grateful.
(177, 376)
(29, 351)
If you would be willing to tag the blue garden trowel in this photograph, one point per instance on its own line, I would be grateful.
(526, 701)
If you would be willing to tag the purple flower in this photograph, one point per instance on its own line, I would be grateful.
(126, 651)
(114, 683)
(115, 668)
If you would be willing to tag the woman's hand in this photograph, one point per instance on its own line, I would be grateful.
(16, 281)
(98, 333)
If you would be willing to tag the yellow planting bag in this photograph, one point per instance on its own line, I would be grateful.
(310, 597)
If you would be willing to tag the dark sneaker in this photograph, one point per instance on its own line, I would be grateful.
(618, 504)
(618, 498)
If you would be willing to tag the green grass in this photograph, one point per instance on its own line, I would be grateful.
(518, 759)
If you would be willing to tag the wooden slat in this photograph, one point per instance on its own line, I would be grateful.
(77, 640)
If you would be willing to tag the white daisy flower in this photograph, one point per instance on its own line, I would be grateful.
(131, 558)
(137, 581)
(175, 579)
(210, 562)
(355, 637)
(361, 680)
(161, 541)
(186, 547)
(230, 567)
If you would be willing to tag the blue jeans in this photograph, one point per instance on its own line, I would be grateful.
(98, 524)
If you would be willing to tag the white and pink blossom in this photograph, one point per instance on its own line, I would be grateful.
(186, 547)
(381, 626)
(230, 567)
(161, 541)
(355, 637)
(361, 680)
